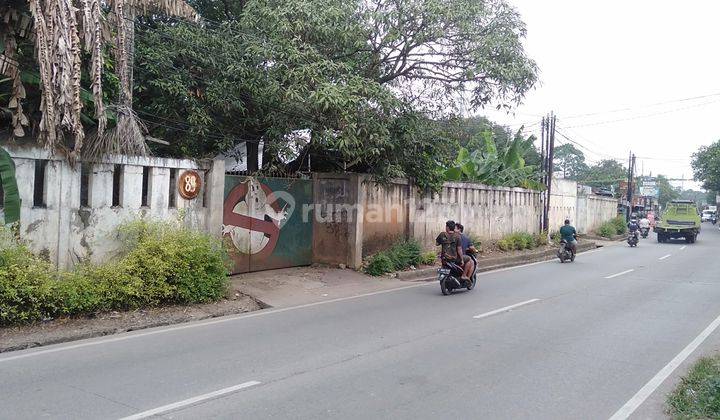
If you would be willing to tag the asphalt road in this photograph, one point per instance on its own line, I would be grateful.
(579, 344)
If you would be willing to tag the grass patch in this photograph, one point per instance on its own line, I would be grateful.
(161, 263)
(398, 257)
(698, 394)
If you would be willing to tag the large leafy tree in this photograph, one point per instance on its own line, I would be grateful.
(262, 71)
(706, 166)
(607, 173)
(570, 160)
(438, 54)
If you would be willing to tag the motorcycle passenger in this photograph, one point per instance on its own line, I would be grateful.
(450, 242)
(644, 224)
(569, 235)
(467, 246)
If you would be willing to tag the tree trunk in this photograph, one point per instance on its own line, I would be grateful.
(252, 156)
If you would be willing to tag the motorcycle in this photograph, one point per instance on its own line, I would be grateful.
(632, 239)
(565, 253)
(644, 232)
(450, 277)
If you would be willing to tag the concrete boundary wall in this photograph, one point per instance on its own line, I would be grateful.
(67, 232)
(356, 217)
(593, 211)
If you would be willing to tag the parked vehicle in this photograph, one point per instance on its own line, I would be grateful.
(633, 239)
(680, 220)
(450, 277)
(565, 252)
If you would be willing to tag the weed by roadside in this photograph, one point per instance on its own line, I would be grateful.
(520, 241)
(398, 257)
(698, 394)
(616, 226)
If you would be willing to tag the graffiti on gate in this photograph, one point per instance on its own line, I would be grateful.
(260, 224)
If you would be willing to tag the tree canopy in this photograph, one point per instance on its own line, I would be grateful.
(706, 166)
(369, 86)
(570, 161)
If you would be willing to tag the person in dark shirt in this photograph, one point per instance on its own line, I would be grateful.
(451, 246)
(466, 245)
(568, 233)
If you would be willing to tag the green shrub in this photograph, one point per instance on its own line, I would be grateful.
(176, 264)
(162, 263)
(555, 237)
(505, 244)
(517, 241)
(428, 258)
(541, 239)
(379, 264)
(607, 230)
(620, 225)
(25, 283)
(404, 254)
(527, 241)
(398, 257)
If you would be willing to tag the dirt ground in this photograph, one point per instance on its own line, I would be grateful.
(70, 329)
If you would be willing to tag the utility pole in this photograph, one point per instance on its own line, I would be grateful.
(543, 161)
(631, 172)
(550, 148)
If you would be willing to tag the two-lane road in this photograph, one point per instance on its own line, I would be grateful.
(547, 340)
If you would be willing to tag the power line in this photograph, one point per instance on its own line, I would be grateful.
(643, 116)
(643, 106)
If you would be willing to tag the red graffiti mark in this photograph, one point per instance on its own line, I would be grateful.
(271, 229)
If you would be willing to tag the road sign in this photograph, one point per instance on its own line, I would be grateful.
(649, 188)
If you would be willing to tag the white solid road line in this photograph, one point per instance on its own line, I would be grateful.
(505, 309)
(666, 256)
(626, 410)
(160, 330)
(620, 274)
(190, 401)
(683, 247)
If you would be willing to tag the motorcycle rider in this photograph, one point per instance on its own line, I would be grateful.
(633, 227)
(451, 244)
(644, 224)
(569, 235)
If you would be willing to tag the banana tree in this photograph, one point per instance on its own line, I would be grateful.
(9, 188)
(69, 36)
(490, 166)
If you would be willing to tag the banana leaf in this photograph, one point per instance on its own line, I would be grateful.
(10, 188)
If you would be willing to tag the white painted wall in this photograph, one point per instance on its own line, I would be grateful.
(563, 203)
(486, 212)
(593, 211)
(67, 233)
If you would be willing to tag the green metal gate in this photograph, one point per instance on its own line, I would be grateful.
(266, 222)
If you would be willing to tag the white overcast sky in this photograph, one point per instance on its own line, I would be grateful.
(631, 55)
